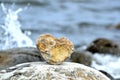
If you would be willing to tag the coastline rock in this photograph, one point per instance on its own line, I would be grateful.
(43, 71)
(54, 50)
(103, 45)
(107, 74)
(82, 57)
(15, 56)
(117, 26)
(113, 26)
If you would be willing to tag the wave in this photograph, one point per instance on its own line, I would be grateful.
(11, 34)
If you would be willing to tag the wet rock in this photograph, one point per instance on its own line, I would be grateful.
(43, 71)
(113, 26)
(107, 74)
(15, 56)
(103, 45)
(83, 57)
(117, 26)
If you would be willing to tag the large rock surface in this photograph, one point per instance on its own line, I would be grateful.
(43, 71)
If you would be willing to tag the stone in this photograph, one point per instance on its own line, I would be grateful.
(107, 74)
(15, 56)
(103, 45)
(82, 57)
(54, 50)
(117, 26)
(43, 71)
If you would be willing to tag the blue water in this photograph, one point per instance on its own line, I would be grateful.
(81, 21)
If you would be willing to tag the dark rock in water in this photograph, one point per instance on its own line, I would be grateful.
(15, 56)
(113, 26)
(103, 45)
(107, 74)
(83, 57)
(117, 26)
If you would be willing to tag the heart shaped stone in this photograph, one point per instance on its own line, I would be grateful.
(54, 50)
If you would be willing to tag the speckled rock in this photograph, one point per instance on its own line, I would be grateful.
(83, 57)
(43, 71)
(54, 50)
(103, 45)
(15, 56)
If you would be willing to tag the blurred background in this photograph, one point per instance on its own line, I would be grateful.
(81, 21)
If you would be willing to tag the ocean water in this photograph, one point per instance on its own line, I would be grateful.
(81, 21)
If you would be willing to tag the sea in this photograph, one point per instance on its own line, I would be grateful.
(81, 21)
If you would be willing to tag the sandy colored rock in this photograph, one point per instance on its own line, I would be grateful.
(43, 71)
(54, 50)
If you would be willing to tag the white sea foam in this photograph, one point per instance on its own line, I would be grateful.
(108, 63)
(10, 32)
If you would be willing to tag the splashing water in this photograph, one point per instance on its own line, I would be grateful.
(10, 33)
(108, 63)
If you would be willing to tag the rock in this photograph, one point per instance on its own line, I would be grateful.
(43, 71)
(117, 26)
(83, 57)
(15, 56)
(113, 26)
(54, 50)
(103, 45)
(107, 74)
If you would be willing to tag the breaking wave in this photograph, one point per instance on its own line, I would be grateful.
(10, 31)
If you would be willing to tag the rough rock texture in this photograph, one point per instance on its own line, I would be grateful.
(43, 71)
(83, 57)
(15, 56)
(54, 50)
(103, 45)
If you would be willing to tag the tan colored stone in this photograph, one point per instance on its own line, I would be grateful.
(54, 50)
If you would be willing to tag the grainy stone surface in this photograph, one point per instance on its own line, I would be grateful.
(54, 50)
(43, 71)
